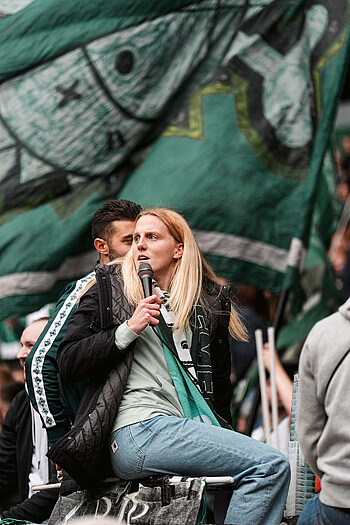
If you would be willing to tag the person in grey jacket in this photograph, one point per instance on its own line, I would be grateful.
(324, 414)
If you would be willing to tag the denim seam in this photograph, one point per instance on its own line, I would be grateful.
(138, 449)
(268, 493)
(203, 443)
(323, 516)
(335, 510)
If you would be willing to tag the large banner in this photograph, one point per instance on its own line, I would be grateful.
(219, 109)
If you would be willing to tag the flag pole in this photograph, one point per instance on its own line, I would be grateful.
(263, 390)
(282, 300)
(274, 405)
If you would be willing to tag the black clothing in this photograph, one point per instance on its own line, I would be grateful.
(16, 449)
(88, 351)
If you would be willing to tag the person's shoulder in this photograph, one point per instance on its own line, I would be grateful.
(21, 396)
(89, 293)
(225, 294)
(78, 286)
(109, 276)
(74, 290)
(218, 297)
(111, 268)
(19, 403)
(328, 326)
(217, 289)
(325, 334)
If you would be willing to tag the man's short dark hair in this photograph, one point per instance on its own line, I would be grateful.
(115, 210)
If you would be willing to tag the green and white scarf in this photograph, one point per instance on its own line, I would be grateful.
(190, 391)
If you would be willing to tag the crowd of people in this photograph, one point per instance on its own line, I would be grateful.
(133, 381)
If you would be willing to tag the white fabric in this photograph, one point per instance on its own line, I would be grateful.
(39, 472)
(180, 340)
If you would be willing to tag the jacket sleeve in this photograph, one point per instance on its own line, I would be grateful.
(86, 350)
(35, 509)
(8, 454)
(311, 416)
(41, 364)
(221, 362)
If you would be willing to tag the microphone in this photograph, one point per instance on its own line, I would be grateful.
(145, 273)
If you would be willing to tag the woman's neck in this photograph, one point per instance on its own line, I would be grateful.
(163, 281)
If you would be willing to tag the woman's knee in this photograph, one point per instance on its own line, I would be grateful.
(275, 465)
(282, 465)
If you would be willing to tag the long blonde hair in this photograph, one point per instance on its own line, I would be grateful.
(186, 283)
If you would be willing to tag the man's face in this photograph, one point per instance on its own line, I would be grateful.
(120, 239)
(29, 337)
(346, 144)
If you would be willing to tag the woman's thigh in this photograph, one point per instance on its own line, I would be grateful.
(171, 445)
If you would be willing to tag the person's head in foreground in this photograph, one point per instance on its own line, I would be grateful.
(29, 337)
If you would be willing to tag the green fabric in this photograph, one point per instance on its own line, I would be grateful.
(192, 402)
(56, 400)
(316, 295)
(221, 111)
(194, 337)
(78, 21)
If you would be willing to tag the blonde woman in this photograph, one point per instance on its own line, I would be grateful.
(160, 375)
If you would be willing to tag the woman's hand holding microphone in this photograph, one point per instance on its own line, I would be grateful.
(146, 313)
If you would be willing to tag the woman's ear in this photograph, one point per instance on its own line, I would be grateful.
(179, 251)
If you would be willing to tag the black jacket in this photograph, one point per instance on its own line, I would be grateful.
(88, 351)
(16, 448)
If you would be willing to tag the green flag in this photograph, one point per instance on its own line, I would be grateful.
(219, 110)
(316, 295)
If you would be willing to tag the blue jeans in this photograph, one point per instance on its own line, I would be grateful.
(317, 513)
(171, 445)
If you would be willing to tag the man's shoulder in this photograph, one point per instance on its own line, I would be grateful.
(326, 343)
(328, 328)
(75, 288)
(65, 306)
(21, 397)
(19, 405)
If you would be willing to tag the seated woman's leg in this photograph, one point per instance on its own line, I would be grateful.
(171, 445)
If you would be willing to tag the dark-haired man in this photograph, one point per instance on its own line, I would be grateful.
(113, 227)
(112, 231)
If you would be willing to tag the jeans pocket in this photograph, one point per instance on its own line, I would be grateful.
(127, 458)
(335, 515)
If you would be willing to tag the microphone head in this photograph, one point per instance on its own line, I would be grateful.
(145, 270)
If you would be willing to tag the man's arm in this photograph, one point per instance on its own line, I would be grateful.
(8, 453)
(41, 364)
(311, 417)
(16, 426)
(86, 350)
(35, 509)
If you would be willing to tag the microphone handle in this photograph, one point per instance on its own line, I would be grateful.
(147, 285)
